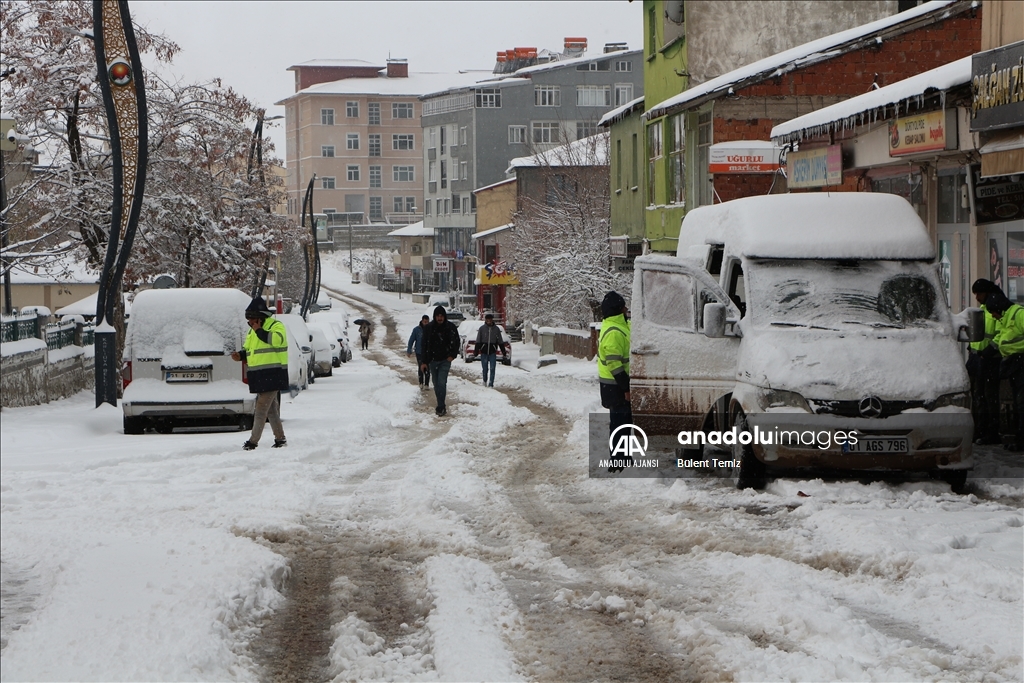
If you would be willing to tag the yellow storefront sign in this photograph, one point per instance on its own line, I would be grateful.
(916, 134)
(496, 273)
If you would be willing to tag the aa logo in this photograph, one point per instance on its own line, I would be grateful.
(626, 444)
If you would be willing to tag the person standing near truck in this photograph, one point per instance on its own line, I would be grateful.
(613, 362)
(1010, 341)
(266, 351)
(983, 368)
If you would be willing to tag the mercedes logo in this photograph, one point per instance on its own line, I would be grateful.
(870, 406)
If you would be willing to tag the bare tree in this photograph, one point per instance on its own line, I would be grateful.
(560, 240)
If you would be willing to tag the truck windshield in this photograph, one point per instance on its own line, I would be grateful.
(843, 294)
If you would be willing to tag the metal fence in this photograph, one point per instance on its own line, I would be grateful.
(57, 335)
(18, 327)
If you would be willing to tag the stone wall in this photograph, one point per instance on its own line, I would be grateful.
(26, 378)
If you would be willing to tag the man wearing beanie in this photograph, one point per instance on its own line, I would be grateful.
(983, 368)
(613, 362)
(440, 347)
(1010, 342)
(266, 351)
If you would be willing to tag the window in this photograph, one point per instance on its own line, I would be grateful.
(373, 112)
(402, 141)
(652, 32)
(472, 203)
(353, 173)
(704, 189)
(426, 207)
(330, 211)
(488, 98)
(351, 140)
(464, 170)
(433, 138)
(410, 205)
(465, 205)
(403, 174)
(623, 93)
(375, 176)
(456, 204)
(516, 135)
(594, 66)
(374, 144)
(547, 96)
(396, 204)
(327, 150)
(462, 135)
(593, 95)
(327, 183)
(618, 164)
(545, 132)
(623, 66)
(584, 129)
(326, 117)
(447, 207)
(444, 175)
(635, 167)
(401, 110)
(668, 299)
(432, 171)
(352, 110)
(654, 152)
(376, 208)
(677, 160)
(444, 138)
(455, 138)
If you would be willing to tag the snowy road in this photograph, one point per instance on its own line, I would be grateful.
(387, 544)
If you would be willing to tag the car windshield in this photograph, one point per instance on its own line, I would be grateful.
(844, 294)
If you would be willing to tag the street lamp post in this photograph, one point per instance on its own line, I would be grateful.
(256, 154)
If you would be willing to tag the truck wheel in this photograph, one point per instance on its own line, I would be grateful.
(165, 426)
(753, 472)
(957, 479)
(134, 425)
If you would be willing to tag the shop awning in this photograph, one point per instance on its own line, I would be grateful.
(1003, 154)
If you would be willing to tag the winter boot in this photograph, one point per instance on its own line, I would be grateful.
(280, 443)
(248, 446)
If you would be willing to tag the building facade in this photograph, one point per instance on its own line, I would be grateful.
(355, 125)
(471, 134)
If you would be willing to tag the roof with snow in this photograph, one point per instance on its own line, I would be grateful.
(415, 85)
(589, 151)
(492, 231)
(412, 230)
(621, 112)
(493, 185)
(810, 53)
(871, 105)
(63, 269)
(818, 225)
(573, 61)
(337, 62)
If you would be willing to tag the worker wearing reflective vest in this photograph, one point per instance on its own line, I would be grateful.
(983, 369)
(1009, 339)
(266, 352)
(613, 362)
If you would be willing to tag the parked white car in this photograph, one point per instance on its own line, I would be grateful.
(297, 326)
(328, 331)
(804, 313)
(467, 348)
(178, 369)
(323, 365)
(337, 320)
(298, 371)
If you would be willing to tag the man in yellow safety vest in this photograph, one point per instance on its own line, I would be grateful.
(613, 362)
(266, 352)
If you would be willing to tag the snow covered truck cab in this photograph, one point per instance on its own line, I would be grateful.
(179, 370)
(816, 323)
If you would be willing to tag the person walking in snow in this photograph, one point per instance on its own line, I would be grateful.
(440, 347)
(613, 362)
(416, 345)
(364, 334)
(266, 351)
(488, 343)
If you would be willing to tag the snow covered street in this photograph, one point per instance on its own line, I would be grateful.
(387, 544)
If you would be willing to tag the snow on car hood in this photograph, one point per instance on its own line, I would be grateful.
(892, 364)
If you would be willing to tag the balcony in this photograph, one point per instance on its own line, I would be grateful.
(403, 218)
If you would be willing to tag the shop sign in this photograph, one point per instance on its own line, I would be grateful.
(815, 167)
(916, 134)
(497, 273)
(997, 88)
(734, 158)
(997, 198)
(442, 265)
(617, 246)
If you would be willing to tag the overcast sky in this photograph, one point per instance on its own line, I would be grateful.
(251, 44)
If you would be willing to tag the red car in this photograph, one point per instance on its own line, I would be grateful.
(467, 332)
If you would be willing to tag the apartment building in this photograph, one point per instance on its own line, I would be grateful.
(355, 125)
(533, 102)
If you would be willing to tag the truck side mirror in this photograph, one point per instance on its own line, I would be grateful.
(975, 325)
(714, 320)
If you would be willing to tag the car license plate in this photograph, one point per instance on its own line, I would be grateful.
(878, 444)
(187, 376)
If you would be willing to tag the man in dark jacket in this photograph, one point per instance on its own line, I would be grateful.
(440, 347)
(416, 344)
(489, 343)
(266, 352)
(983, 369)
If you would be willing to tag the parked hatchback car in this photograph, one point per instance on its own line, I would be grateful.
(178, 369)
(297, 326)
(323, 365)
(467, 335)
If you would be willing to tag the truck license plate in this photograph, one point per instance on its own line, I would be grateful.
(187, 376)
(878, 444)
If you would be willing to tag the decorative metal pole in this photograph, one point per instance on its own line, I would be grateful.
(124, 98)
(307, 210)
